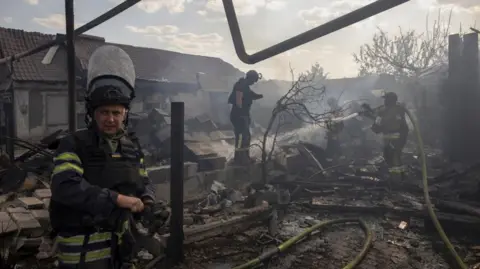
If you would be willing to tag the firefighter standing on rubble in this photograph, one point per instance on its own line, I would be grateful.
(99, 179)
(390, 121)
(241, 100)
(334, 129)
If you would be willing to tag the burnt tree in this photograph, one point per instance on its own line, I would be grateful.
(305, 94)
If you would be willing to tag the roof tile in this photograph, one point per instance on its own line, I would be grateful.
(150, 64)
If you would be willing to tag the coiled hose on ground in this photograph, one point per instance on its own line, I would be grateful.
(368, 240)
(290, 242)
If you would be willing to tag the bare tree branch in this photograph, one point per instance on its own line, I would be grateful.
(305, 92)
(407, 54)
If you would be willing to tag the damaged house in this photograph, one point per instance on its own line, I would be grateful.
(39, 82)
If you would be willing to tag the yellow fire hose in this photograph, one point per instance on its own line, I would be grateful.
(290, 242)
(426, 195)
(368, 240)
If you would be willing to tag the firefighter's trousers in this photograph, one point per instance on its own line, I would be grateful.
(392, 151)
(241, 128)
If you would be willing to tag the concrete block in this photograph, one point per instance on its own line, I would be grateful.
(7, 225)
(161, 174)
(12, 210)
(26, 222)
(46, 202)
(212, 163)
(190, 170)
(216, 175)
(42, 193)
(31, 202)
(290, 161)
(192, 187)
(42, 216)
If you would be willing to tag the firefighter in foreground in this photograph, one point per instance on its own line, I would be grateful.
(99, 183)
(241, 100)
(390, 121)
(334, 129)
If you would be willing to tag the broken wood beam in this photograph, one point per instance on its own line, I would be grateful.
(444, 218)
(458, 206)
(224, 228)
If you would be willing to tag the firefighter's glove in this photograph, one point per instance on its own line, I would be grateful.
(148, 216)
(366, 110)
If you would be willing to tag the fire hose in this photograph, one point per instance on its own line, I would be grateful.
(292, 241)
(368, 240)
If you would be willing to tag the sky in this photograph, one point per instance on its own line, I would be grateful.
(199, 27)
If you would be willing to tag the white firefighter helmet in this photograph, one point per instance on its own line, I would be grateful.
(110, 78)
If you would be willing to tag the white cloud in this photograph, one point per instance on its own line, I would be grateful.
(173, 6)
(275, 5)
(321, 14)
(445, 6)
(8, 19)
(54, 21)
(153, 6)
(154, 30)
(32, 2)
(202, 12)
(247, 7)
(461, 3)
(203, 44)
(195, 43)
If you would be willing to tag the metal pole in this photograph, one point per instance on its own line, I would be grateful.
(72, 93)
(310, 35)
(175, 240)
(10, 117)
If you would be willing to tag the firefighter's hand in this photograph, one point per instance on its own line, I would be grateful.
(134, 204)
(148, 216)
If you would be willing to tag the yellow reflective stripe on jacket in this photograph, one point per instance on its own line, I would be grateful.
(67, 167)
(143, 172)
(239, 142)
(391, 136)
(67, 157)
(125, 228)
(90, 256)
(79, 239)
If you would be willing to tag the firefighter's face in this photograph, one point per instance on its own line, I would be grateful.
(110, 118)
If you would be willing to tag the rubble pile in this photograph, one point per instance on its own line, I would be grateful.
(231, 216)
(404, 236)
(204, 139)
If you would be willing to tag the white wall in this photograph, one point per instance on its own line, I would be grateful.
(58, 109)
(21, 114)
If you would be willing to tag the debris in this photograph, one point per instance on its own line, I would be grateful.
(402, 225)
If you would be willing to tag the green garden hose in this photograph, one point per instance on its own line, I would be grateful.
(426, 195)
(290, 242)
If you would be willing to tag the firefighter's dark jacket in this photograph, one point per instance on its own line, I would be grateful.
(248, 97)
(393, 120)
(89, 173)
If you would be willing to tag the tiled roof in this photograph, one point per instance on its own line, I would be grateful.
(150, 64)
(13, 41)
(156, 64)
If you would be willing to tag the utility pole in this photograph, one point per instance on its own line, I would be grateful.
(175, 253)
(72, 93)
